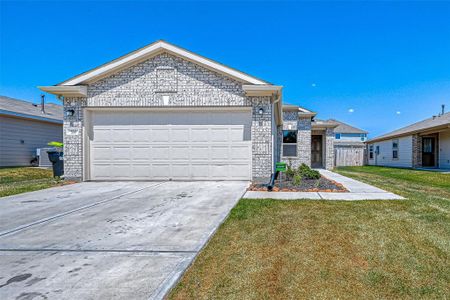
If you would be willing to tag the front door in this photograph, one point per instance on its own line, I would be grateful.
(316, 151)
(428, 149)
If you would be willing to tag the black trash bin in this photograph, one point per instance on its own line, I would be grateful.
(57, 160)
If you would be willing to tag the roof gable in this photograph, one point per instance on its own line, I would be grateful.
(151, 50)
(345, 128)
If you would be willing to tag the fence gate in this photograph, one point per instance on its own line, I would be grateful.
(349, 155)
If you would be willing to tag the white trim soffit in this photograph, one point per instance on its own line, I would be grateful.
(262, 90)
(153, 49)
(66, 91)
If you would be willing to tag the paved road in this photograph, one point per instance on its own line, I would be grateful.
(100, 240)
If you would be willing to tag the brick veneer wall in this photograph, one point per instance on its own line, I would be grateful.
(292, 121)
(167, 80)
(416, 151)
(329, 149)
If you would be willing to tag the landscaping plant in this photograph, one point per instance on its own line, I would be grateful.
(297, 179)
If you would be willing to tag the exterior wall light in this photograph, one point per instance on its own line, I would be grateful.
(70, 113)
(261, 111)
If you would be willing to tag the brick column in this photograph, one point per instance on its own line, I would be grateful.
(261, 138)
(304, 141)
(416, 151)
(329, 149)
(73, 139)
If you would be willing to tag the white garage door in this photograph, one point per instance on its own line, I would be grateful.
(160, 145)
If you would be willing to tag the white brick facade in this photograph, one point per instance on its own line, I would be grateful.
(169, 81)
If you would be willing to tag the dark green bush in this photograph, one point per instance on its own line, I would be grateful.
(307, 173)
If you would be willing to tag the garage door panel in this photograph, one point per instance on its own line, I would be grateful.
(121, 153)
(160, 153)
(121, 135)
(141, 135)
(179, 135)
(141, 153)
(103, 135)
(150, 145)
(218, 170)
(100, 153)
(183, 171)
(160, 135)
(199, 153)
(239, 152)
(101, 171)
(141, 171)
(179, 152)
(219, 135)
(120, 171)
(161, 171)
(219, 152)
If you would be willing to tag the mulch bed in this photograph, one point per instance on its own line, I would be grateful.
(307, 185)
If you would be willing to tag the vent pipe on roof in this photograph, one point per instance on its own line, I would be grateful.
(442, 109)
(43, 104)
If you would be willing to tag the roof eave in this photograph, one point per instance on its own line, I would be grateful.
(66, 91)
(425, 130)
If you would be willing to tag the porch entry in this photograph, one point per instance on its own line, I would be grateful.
(316, 151)
(428, 151)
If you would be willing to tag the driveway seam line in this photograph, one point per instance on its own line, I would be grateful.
(93, 250)
(48, 219)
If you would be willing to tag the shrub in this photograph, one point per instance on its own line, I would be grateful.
(289, 172)
(307, 173)
(297, 179)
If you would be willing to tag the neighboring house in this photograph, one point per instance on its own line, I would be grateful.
(162, 112)
(422, 144)
(349, 144)
(24, 127)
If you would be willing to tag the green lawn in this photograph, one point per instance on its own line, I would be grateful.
(270, 249)
(23, 179)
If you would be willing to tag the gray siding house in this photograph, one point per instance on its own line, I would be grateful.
(25, 126)
(162, 112)
(425, 144)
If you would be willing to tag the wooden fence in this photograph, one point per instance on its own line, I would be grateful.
(345, 155)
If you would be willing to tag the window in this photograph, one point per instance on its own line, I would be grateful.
(427, 145)
(290, 143)
(371, 152)
(394, 149)
(338, 136)
(363, 137)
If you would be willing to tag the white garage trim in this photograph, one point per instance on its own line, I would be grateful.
(168, 144)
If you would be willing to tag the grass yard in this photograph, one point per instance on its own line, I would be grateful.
(24, 179)
(270, 249)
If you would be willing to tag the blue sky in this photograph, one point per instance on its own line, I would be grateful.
(377, 65)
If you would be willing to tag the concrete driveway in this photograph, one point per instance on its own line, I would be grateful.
(100, 240)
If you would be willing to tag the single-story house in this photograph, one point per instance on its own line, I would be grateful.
(162, 112)
(425, 144)
(24, 127)
(349, 146)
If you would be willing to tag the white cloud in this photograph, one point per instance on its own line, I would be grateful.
(398, 112)
(313, 85)
(351, 110)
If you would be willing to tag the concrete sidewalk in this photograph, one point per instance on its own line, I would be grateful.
(357, 191)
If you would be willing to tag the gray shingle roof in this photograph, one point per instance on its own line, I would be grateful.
(345, 128)
(429, 123)
(27, 109)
